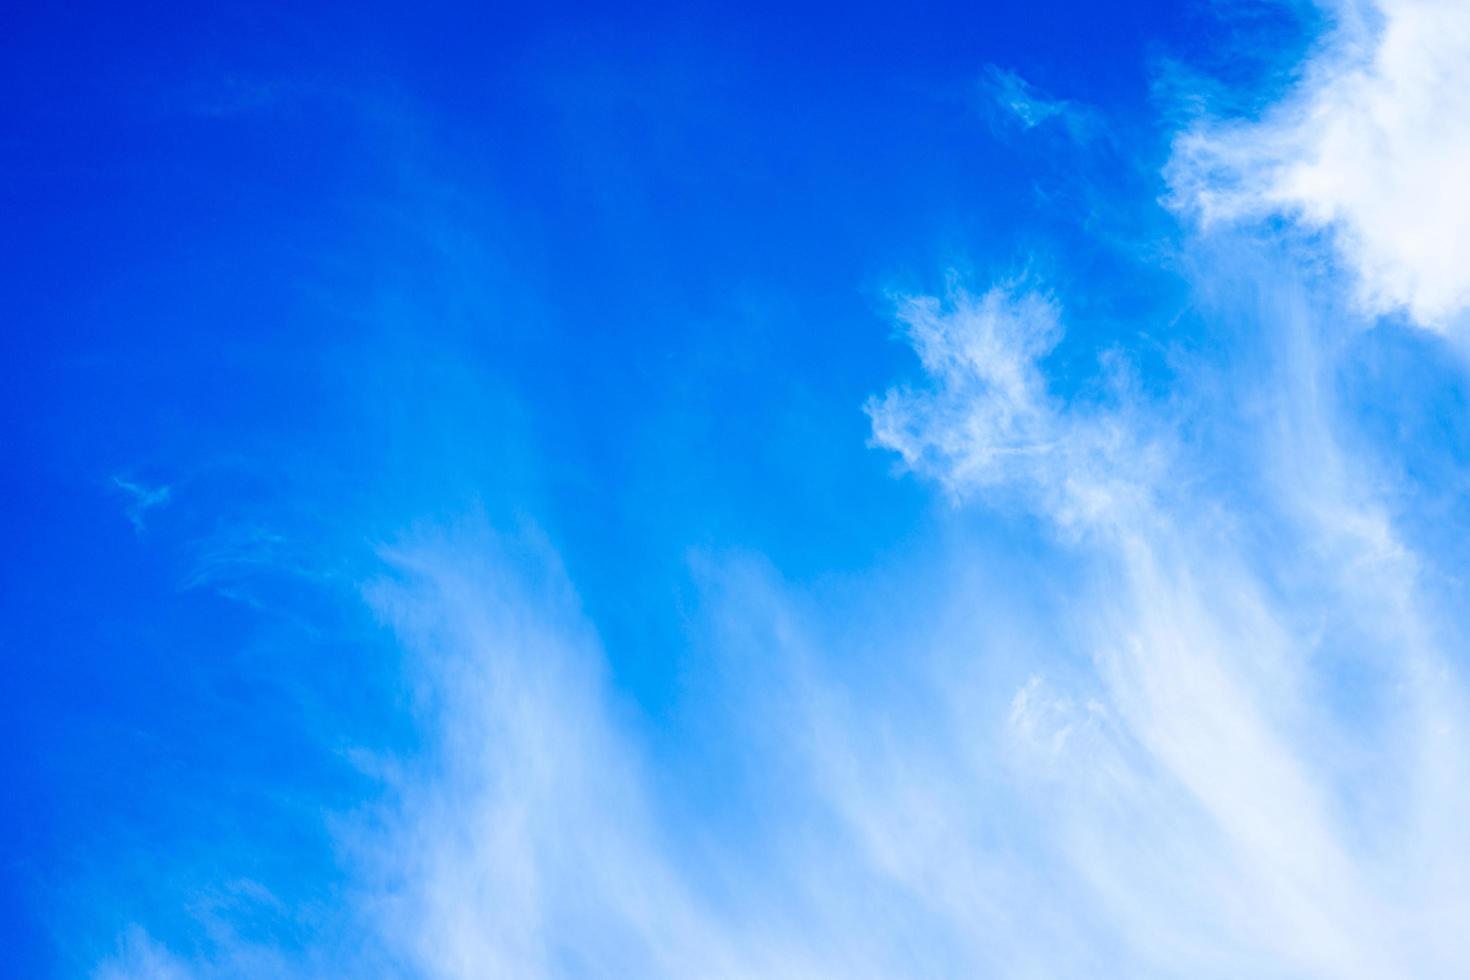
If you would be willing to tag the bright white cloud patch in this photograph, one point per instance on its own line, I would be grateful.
(987, 419)
(1372, 144)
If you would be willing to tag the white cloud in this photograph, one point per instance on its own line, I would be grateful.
(1017, 96)
(1162, 790)
(986, 420)
(1025, 105)
(1197, 783)
(524, 846)
(140, 958)
(1372, 145)
(1137, 770)
(141, 499)
(1134, 774)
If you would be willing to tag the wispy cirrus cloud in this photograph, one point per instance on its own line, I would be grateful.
(1189, 706)
(141, 499)
(1021, 103)
(1140, 771)
(1199, 765)
(525, 844)
(987, 419)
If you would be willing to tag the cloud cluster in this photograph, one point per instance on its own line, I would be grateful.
(1169, 788)
(1210, 817)
(1222, 739)
(1153, 775)
(1369, 145)
(987, 421)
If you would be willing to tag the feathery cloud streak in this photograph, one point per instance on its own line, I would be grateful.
(1149, 764)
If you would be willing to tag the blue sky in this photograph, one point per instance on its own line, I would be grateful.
(731, 491)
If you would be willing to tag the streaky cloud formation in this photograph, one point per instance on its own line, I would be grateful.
(523, 844)
(141, 499)
(1020, 98)
(1169, 683)
(1202, 781)
(1370, 146)
(989, 420)
(1025, 105)
(1162, 790)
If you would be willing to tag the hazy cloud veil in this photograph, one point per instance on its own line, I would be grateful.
(1214, 728)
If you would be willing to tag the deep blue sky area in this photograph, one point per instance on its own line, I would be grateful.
(624, 275)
